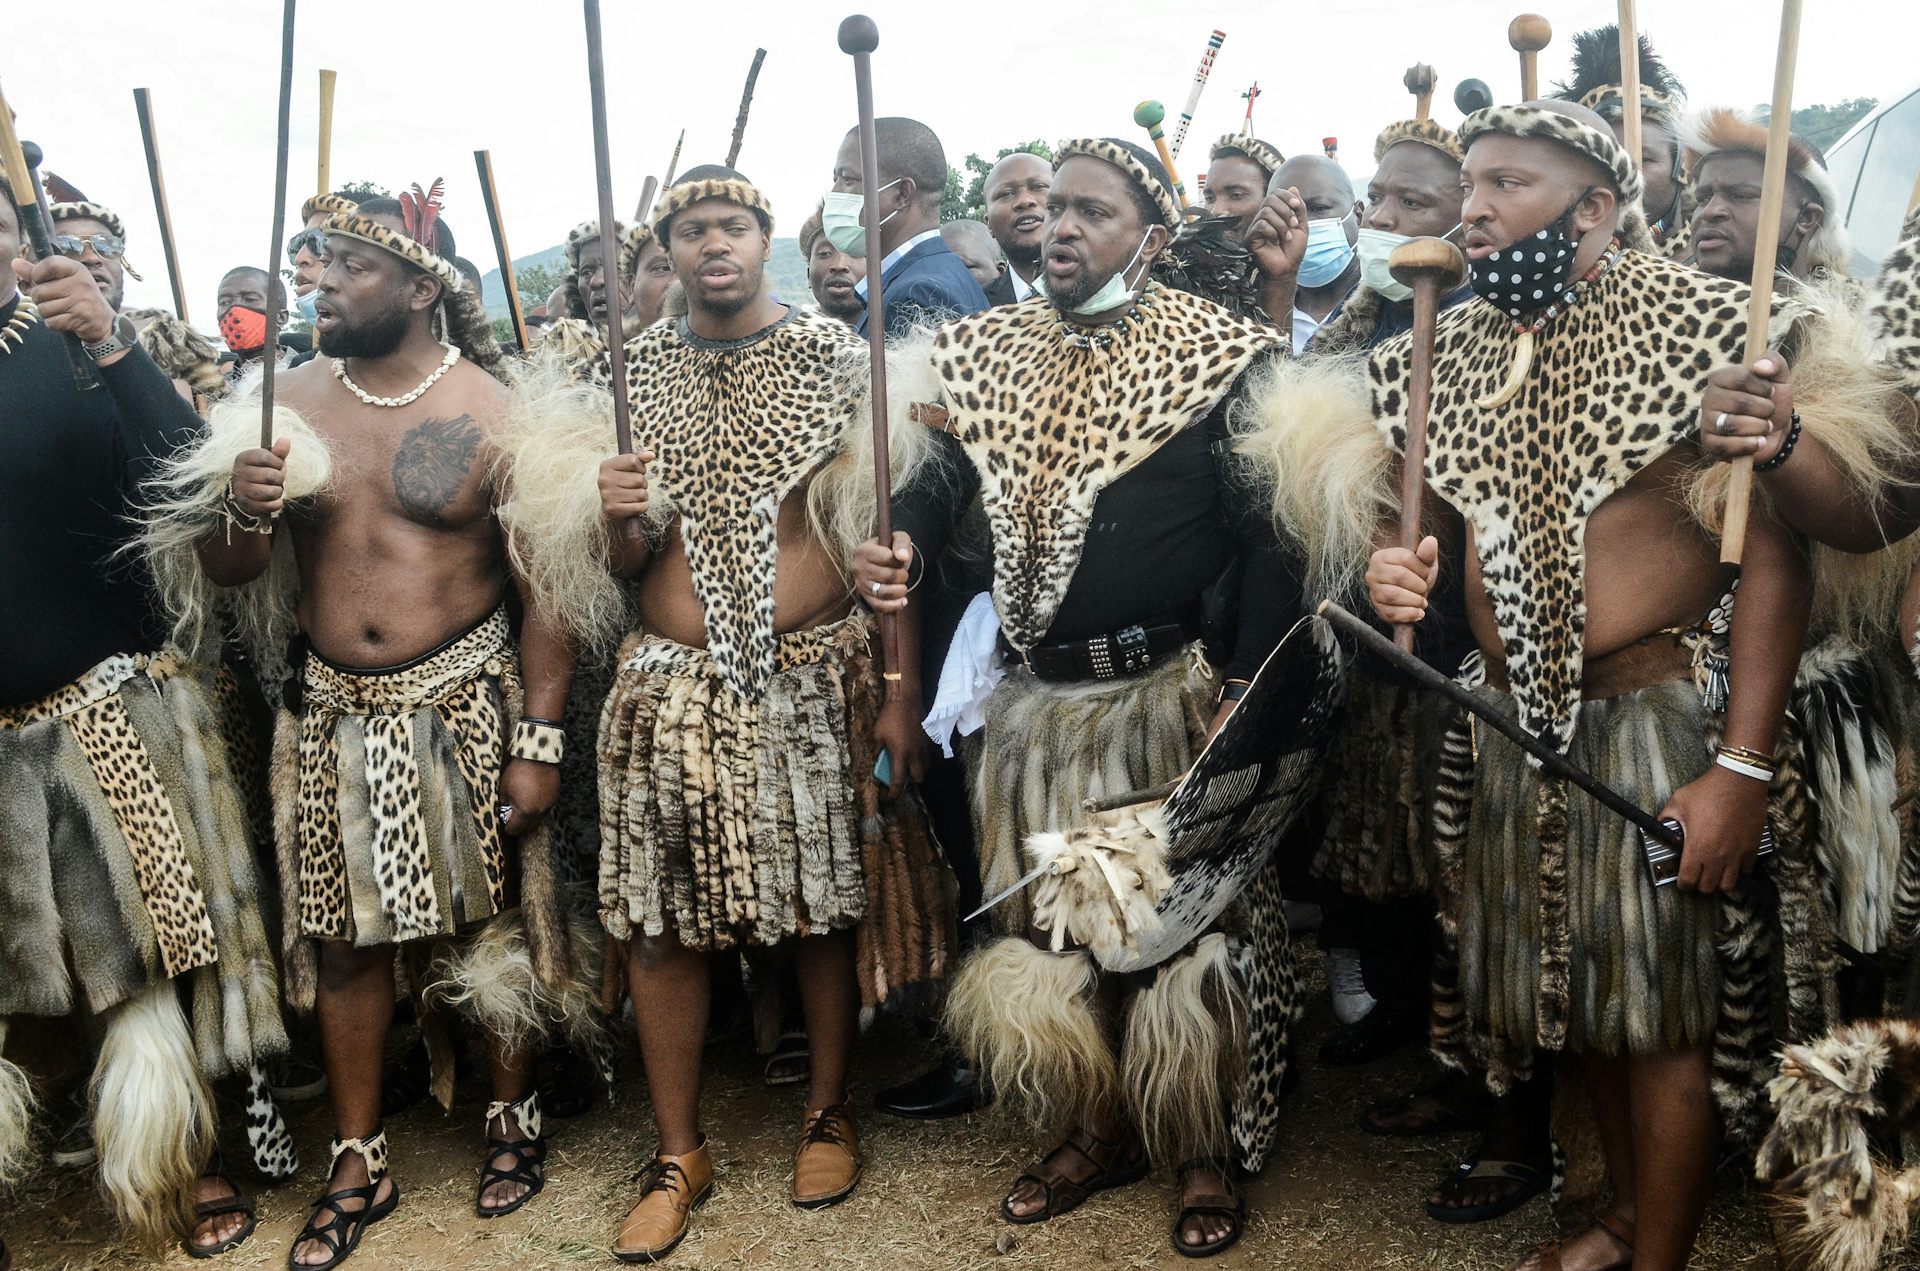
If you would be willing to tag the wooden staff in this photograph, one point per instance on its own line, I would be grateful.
(645, 207)
(20, 159)
(279, 243)
(746, 104)
(1421, 81)
(1214, 42)
(609, 240)
(1630, 82)
(1528, 34)
(489, 194)
(860, 37)
(1552, 762)
(1733, 537)
(1432, 267)
(143, 107)
(673, 164)
(1150, 115)
(324, 178)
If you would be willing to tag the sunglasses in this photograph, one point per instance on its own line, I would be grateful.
(106, 245)
(312, 240)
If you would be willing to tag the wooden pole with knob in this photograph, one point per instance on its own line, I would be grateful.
(1528, 34)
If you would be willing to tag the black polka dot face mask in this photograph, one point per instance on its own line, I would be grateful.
(1532, 273)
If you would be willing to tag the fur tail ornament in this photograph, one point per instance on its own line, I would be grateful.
(1102, 883)
(152, 1116)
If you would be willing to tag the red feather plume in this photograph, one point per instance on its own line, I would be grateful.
(420, 212)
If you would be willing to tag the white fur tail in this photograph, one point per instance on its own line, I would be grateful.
(152, 1116)
(1026, 1018)
(16, 1116)
(1184, 1056)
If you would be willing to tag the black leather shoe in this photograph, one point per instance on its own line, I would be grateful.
(949, 1089)
(1377, 1034)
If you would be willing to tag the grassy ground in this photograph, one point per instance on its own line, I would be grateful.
(1332, 1198)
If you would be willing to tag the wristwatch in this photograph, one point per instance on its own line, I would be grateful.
(105, 349)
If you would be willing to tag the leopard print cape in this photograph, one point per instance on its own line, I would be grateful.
(1895, 307)
(390, 765)
(1615, 384)
(735, 428)
(1049, 424)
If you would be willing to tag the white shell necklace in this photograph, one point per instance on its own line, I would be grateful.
(446, 364)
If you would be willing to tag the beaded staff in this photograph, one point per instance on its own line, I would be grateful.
(1214, 42)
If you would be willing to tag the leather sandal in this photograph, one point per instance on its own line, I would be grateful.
(529, 1156)
(1229, 1204)
(1063, 1195)
(676, 1186)
(341, 1233)
(238, 1203)
(1547, 1252)
(827, 1166)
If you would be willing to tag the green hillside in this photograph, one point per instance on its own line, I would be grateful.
(787, 270)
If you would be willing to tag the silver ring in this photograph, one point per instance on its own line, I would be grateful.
(504, 811)
(1720, 423)
(875, 586)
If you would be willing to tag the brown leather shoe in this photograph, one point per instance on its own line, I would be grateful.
(827, 1167)
(676, 1185)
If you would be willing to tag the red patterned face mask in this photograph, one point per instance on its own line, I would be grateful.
(244, 329)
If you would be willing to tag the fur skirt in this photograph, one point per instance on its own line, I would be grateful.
(737, 823)
(1046, 747)
(1378, 791)
(126, 858)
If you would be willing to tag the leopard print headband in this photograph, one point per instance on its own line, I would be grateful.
(633, 241)
(1423, 132)
(1537, 123)
(684, 195)
(89, 212)
(368, 230)
(1263, 153)
(1108, 152)
(328, 203)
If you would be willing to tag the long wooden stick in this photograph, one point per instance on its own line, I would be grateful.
(1432, 267)
(490, 195)
(673, 164)
(324, 177)
(609, 241)
(20, 159)
(746, 104)
(278, 245)
(1733, 537)
(1630, 81)
(1528, 34)
(143, 107)
(1552, 762)
(859, 37)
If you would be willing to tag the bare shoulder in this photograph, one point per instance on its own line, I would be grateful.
(306, 386)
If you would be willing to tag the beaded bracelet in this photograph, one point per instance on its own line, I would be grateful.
(1786, 447)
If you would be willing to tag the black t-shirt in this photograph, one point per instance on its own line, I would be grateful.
(72, 455)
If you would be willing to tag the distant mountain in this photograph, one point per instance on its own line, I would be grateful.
(787, 270)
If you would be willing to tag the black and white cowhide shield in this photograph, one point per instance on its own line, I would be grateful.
(1251, 783)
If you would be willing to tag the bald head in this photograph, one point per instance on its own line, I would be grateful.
(1314, 174)
(974, 245)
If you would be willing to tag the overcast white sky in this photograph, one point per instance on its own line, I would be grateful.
(422, 85)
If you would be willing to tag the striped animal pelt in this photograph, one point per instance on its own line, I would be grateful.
(1837, 1099)
(1378, 794)
(1047, 747)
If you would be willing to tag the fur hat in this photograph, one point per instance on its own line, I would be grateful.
(710, 181)
(1720, 129)
(1534, 122)
(1146, 173)
(1597, 77)
(1264, 154)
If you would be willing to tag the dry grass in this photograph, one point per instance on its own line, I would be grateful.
(1333, 1198)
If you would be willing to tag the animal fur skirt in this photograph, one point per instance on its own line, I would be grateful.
(1378, 789)
(127, 858)
(739, 823)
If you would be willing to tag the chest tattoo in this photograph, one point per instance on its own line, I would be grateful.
(431, 466)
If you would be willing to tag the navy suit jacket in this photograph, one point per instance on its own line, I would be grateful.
(927, 285)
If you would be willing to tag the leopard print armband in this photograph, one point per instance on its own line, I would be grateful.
(540, 740)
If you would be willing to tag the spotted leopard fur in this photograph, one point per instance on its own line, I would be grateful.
(270, 1141)
(1050, 424)
(1895, 307)
(739, 428)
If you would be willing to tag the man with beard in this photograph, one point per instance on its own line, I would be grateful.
(1016, 193)
(1596, 84)
(128, 889)
(1109, 525)
(831, 273)
(1238, 170)
(738, 744)
(1330, 269)
(925, 282)
(408, 758)
(1565, 400)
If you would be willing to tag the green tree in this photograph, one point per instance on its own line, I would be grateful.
(537, 282)
(953, 203)
(361, 191)
(973, 206)
(1821, 126)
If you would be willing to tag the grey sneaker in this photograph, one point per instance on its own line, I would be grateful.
(1351, 1001)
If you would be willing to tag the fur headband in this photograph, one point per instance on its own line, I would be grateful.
(1538, 123)
(1719, 129)
(349, 224)
(328, 203)
(88, 212)
(632, 243)
(685, 194)
(1423, 132)
(1143, 176)
(1242, 146)
(587, 232)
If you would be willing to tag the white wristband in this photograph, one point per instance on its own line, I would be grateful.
(1744, 769)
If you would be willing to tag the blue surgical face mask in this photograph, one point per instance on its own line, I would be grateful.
(1113, 293)
(305, 305)
(840, 220)
(1328, 251)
